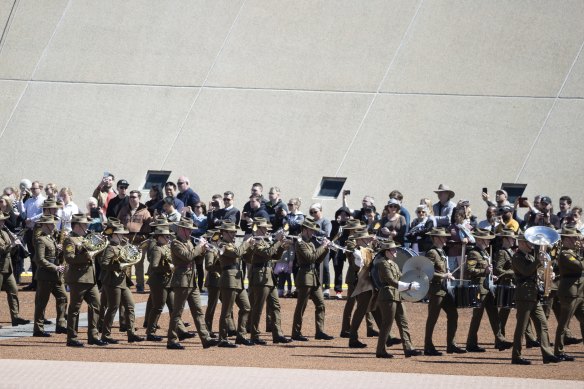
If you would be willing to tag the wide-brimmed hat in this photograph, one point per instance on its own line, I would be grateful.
(121, 230)
(113, 221)
(80, 218)
(445, 188)
(353, 224)
(440, 232)
(521, 236)
(186, 223)
(47, 219)
(394, 202)
(159, 222)
(162, 230)
(50, 204)
(507, 233)
(388, 245)
(360, 234)
(261, 222)
(228, 226)
(570, 232)
(310, 224)
(480, 233)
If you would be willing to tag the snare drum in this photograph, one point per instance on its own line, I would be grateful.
(403, 254)
(505, 296)
(465, 294)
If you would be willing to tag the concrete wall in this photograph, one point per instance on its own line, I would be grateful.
(391, 94)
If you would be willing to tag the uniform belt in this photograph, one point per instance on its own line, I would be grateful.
(308, 267)
(231, 267)
(52, 260)
(183, 267)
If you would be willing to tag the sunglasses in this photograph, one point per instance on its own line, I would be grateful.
(392, 206)
(180, 182)
(290, 204)
(313, 211)
(227, 199)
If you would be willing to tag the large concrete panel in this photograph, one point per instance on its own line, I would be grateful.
(322, 45)
(6, 7)
(31, 28)
(10, 92)
(234, 138)
(554, 167)
(415, 143)
(139, 41)
(516, 48)
(71, 133)
(575, 84)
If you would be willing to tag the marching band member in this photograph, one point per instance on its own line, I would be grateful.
(263, 283)
(307, 281)
(184, 287)
(49, 277)
(82, 281)
(389, 301)
(359, 245)
(231, 286)
(571, 287)
(527, 303)
(439, 299)
(479, 266)
(506, 276)
(116, 284)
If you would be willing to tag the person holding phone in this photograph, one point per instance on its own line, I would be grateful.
(104, 191)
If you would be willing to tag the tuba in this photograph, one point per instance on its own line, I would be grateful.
(543, 237)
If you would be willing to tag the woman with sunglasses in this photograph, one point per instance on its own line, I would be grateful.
(394, 224)
(421, 225)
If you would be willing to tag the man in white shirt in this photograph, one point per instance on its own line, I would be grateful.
(31, 212)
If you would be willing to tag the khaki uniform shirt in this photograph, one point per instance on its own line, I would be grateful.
(308, 258)
(477, 262)
(183, 258)
(572, 274)
(5, 252)
(46, 258)
(230, 260)
(389, 275)
(439, 259)
(81, 269)
(159, 271)
(503, 268)
(262, 255)
(525, 267)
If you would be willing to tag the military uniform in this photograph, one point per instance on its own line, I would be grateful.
(477, 262)
(362, 294)
(527, 303)
(263, 286)
(231, 289)
(184, 255)
(159, 276)
(506, 276)
(390, 304)
(570, 293)
(213, 269)
(80, 276)
(7, 280)
(115, 282)
(308, 285)
(439, 299)
(49, 281)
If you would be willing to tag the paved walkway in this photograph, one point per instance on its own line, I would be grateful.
(25, 374)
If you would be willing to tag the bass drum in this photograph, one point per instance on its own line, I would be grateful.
(505, 296)
(403, 254)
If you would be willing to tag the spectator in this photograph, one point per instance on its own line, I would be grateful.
(96, 215)
(421, 225)
(394, 225)
(187, 195)
(565, 207)
(444, 207)
(325, 230)
(255, 210)
(119, 201)
(104, 191)
(274, 207)
(69, 209)
(155, 198)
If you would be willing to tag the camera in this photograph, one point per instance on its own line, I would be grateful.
(94, 213)
(346, 192)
